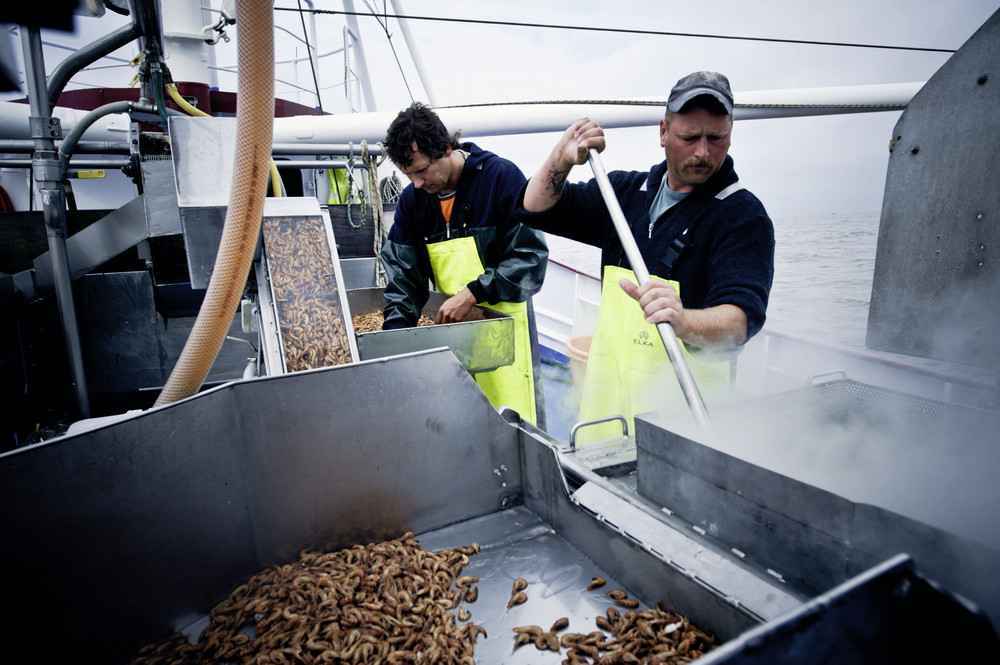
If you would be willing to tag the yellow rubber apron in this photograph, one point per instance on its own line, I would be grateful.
(455, 263)
(628, 371)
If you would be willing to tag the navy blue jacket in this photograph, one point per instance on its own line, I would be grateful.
(729, 254)
(514, 255)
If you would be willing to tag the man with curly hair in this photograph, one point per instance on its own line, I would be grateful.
(455, 226)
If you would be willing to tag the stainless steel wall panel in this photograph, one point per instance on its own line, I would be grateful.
(121, 534)
(103, 240)
(937, 273)
(842, 476)
(649, 575)
(159, 195)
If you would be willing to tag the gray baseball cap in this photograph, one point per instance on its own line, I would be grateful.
(697, 84)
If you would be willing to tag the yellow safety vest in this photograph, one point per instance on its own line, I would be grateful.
(455, 263)
(340, 188)
(628, 371)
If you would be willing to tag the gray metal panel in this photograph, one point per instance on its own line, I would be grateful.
(131, 529)
(203, 151)
(883, 615)
(160, 197)
(101, 241)
(330, 468)
(128, 346)
(721, 570)
(270, 336)
(937, 274)
(202, 234)
(480, 346)
(819, 492)
(647, 573)
(359, 273)
(125, 531)
(228, 365)
(120, 332)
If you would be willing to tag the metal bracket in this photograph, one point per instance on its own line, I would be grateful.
(587, 423)
(45, 128)
(48, 170)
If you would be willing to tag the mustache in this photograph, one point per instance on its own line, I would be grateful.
(697, 163)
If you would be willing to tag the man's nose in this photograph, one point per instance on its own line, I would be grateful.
(701, 148)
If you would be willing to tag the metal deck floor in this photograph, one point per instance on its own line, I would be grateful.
(516, 543)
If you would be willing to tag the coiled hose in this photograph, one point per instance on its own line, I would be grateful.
(254, 133)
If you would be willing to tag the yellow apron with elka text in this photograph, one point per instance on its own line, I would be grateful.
(628, 371)
(455, 263)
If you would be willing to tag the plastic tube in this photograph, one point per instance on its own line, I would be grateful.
(277, 187)
(69, 143)
(254, 120)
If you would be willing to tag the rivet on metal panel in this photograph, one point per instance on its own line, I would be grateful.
(914, 150)
(983, 79)
(698, 529)
(667, 510)
(775, 574)
(979, 216)
(504, 468)
(738, 553)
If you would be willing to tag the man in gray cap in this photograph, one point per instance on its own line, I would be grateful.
(695, 224)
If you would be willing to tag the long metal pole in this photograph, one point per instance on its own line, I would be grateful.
(48, 173)
(411, 44)
(359, 51)
(667, 334)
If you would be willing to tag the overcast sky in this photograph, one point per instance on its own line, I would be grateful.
(795, 166)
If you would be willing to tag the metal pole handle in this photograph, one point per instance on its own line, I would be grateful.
(667, 334)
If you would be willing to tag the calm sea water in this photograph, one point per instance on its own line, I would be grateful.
(823, 270)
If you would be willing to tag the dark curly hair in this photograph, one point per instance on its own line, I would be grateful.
(417, 124)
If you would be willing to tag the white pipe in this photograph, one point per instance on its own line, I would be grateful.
(523, 118)
(535, 118)
(411, 44)
(362, 63)
(14, 123)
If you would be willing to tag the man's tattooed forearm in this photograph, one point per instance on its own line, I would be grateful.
(557, 179)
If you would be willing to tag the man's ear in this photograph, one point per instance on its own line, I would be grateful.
(664, 129)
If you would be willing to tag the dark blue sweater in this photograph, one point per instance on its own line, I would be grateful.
(729, 254)
(514, 255)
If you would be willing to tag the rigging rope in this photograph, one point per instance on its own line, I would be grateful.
(309, 52)
(627, 31)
